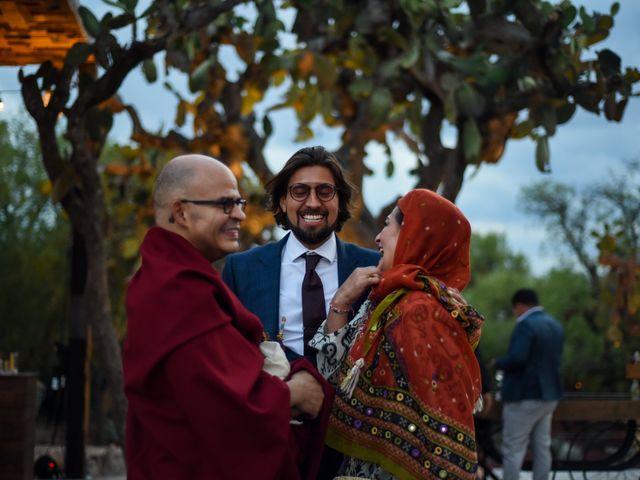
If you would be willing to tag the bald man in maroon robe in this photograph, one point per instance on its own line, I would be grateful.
(200, 404)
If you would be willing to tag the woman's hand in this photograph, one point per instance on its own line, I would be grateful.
(360, 280)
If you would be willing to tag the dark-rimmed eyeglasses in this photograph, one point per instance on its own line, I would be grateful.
(227, 204)
(301, 191)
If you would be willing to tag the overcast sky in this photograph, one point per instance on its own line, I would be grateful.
(582, 151)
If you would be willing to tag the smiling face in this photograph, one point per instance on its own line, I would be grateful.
(207, 227)
(386, 240)
(311, 220)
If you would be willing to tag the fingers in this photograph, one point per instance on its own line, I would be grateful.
(374, 278)
(360, 280)
(312, 406)
(310, 395)
(369, 270)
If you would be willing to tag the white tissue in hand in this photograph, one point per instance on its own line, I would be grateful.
(275, 360)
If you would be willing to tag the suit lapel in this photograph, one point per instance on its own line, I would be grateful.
(269, 273)
(346, 263)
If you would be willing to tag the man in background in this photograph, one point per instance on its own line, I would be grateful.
(531, 386)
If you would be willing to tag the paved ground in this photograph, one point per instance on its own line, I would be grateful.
(623, 475)
(579, 475)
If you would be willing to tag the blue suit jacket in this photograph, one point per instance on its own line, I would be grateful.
(254, 276)
(532, 364)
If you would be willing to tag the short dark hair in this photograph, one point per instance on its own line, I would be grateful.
(310, 157)
(525, 296)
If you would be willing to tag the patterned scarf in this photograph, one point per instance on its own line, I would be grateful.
(414, 377)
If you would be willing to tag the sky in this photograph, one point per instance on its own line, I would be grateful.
(584, 150)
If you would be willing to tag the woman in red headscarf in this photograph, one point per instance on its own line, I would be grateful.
(409, 380)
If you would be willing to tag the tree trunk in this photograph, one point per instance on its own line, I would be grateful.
(91, 220)
(104, 334)
(74, 462)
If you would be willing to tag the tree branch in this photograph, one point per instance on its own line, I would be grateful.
(107, 85)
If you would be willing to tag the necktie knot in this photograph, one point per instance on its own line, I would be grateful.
(311, 260)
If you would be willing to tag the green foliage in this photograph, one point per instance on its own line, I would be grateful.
(496, 271)
(599, 306)
(89, 20)
(589, 362)
(490, 253)
(565, 294)
(33, 242)
(472, 140)
(491, 295)
(149, 70)
(542, 154)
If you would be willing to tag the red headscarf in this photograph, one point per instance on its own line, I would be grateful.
(434, 238)
(411, 410)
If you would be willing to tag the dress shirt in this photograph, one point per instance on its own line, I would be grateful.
(529, 312)
(292, 272)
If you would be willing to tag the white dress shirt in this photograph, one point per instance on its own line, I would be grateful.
(292, 270)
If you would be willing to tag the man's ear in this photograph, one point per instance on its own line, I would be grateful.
(283, 204)
(178, 214)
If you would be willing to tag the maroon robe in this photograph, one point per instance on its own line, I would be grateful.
(200, 405)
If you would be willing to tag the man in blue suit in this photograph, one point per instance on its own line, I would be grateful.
(531, 386)
(311, 197)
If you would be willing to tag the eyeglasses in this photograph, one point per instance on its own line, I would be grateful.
(301, 191)
(227, 204)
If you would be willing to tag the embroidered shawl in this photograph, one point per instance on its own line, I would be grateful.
(411, 410)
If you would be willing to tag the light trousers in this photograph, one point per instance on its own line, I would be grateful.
(521, 422)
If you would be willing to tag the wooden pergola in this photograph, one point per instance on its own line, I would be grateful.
(33, 31)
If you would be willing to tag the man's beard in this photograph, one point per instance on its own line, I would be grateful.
(313, 237)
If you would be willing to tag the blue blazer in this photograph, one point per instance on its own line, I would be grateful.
(254, 276)
(532, 363)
